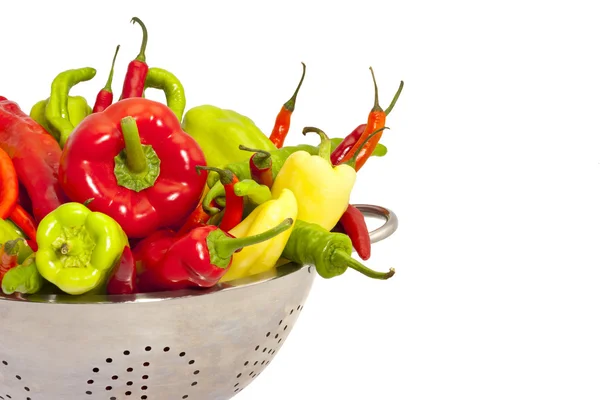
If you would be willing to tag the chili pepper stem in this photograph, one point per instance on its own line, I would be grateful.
(142, 55)
(376, 106)
(324, 146)
(395, 99)
(136, 160)
(11, 247)
(108, 86)
(261, 158)
(226, 246)
(340, 259)
(225, 176)
(291, 103)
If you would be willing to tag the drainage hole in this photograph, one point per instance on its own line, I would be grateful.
(166, 349)
(129, 369)
(280, 322)
(18, 377)
(148, 348)
(26, 388)
(109, 388)
(194, 383)
(279, 341)
(146, 364)
(96, 370)
(113, 398)
(114, 377)
(277, 335)
(88, 392)
(255, 362)
(250, 374)
(236, 385)
(8, 395)
(285, 327)
(263, 363)
(109, 360)
(246, 363)
(237, 390)
(5, 363)
(129, 383)
(256, 348)
(182, 354)
(268, 334)
(291, 311)
(126, 352)
(185, 396)
(127, 393)
(265, 349)
(145, 377)
(144, 387)
(238, 375)
(191, 362)
(298, 308)
(196, 372)
(144, 397)
(90, 381)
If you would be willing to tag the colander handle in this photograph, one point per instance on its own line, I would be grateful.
(389, 226)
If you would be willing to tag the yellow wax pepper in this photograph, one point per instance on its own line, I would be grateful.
(321, 189)
(262, 256)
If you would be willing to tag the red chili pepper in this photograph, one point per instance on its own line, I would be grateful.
(346, 145)
(261, 166)
(200, 258)
(137, 164)
(105, 96)
(376, 120)
(197, 218)
(9, 256)
(234, 204)
(354, 225)
(124, 275)
(282, 122)
(137, 70)
(26, 223)
(9, 185)
(35, 155)
(151, 249)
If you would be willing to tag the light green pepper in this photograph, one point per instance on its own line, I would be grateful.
(78, 248)
(24, 278)
(9, 231)
(219, 132)
(77, 106)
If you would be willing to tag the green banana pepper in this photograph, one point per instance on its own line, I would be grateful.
(78, 248)
(24, 278)
(219, 132)
(77, 106)
(9, 231)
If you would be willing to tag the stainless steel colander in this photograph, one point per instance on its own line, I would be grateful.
(159, 346)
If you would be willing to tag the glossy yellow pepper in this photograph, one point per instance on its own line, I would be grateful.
(262, 256)
(321, 189)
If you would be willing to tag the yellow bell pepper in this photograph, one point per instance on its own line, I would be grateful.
(262, 256)
(321, 189)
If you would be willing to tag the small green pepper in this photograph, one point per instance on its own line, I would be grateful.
(9, 231)
(78, 110)
(158, 78)
(219, 132)
(78, 248)
(24, 278)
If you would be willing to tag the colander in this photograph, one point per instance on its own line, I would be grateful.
(165, 346)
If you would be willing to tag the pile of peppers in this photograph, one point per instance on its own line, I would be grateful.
(132, 195)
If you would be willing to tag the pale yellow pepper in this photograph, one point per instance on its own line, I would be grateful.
(321, 189)
(262, 256)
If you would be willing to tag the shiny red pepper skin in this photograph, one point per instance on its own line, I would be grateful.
(124, 276)
(88, 162)
(185, 265)
(150, 250)
(338, 154)
(35, 155)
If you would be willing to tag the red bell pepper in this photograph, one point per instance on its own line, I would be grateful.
(123, 278)
(200, 258)
(136, 164)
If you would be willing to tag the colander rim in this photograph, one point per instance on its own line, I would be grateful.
(237, 284)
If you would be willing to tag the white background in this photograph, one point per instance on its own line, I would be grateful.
(493, 171)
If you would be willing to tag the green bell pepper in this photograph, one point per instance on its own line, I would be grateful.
(78, 248)
(9, 231)
(77, 106)
(24, 278)
(219, 132)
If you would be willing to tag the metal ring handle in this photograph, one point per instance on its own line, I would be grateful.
(389, 226)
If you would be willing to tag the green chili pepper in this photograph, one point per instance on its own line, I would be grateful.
(254, 191)
(24, 278)
(78, 248)
(219, 132)
(164, 80)
(78, 110)
(57, 109)
(329, 252)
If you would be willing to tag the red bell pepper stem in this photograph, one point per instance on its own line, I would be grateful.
(354, 225)
(282, 122)
(234, 204)
(261, 165)
(26, 223)
(9, 185)
(137, 70)
(376, 120)
(124, 276)
(200, 258)
(135, 158)
(105, 96)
